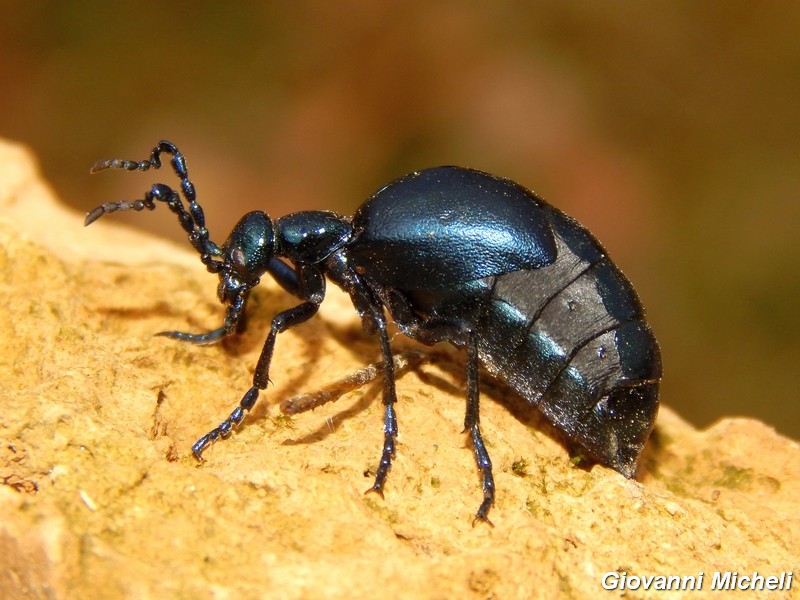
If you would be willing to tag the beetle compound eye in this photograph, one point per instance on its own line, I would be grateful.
(238, 260)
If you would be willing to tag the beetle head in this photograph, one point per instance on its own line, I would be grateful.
(247, 253)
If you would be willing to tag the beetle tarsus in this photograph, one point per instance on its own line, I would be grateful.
(482, 515)
(388, 452)
(485, 468)
(224, 429)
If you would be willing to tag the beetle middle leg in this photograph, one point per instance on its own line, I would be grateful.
(373, 320)
(389, 416)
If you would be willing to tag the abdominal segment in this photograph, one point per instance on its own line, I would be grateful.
(571, 339)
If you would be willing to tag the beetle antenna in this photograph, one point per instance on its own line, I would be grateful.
(192, 221)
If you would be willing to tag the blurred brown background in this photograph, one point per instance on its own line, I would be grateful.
(670, 129)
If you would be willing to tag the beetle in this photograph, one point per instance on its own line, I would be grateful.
(451, 254)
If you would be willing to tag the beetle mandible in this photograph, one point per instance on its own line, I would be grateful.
(457, 255)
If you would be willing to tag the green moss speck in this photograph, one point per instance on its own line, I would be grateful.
(390, 516)
(537, 510)
(283, 421)
(520, 467)
(575, 461)
(735, 478)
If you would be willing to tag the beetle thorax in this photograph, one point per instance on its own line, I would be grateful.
(309, 237)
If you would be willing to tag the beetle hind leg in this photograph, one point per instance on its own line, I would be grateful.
(472, 426)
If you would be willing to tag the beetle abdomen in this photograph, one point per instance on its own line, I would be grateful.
(571, 339)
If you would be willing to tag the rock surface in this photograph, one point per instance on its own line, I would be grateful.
(102, 499)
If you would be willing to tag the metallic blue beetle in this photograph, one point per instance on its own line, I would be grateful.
(454, 255)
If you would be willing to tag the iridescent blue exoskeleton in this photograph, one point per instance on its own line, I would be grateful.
(456, 255)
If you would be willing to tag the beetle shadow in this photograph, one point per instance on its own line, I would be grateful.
(494, 390)
(449, 360)
(365, 349)
(160, 309)
(451, 380)
(249, 338)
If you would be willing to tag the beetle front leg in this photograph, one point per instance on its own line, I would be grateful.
(234, 317)
(313, 284)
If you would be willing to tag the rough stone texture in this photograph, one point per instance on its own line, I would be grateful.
(102, 498)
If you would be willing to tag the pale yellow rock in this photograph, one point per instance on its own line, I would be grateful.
(102, 498)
